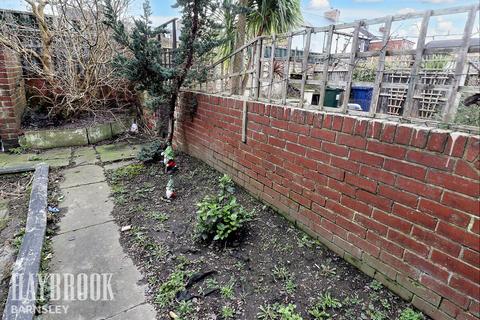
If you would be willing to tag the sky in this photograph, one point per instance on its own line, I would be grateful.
(350, 10)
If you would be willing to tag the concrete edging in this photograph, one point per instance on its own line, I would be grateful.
(47, 139)
(25, 270)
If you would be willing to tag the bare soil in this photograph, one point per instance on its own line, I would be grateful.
(162, 237)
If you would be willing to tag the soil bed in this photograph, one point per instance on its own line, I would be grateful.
(14, 193)
(271, 263)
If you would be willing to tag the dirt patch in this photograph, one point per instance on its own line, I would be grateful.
(271, 266)
(15, 189)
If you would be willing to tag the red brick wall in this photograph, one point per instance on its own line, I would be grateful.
(400, 203)
(12, 97)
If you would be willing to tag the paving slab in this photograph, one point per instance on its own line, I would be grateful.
(89, 243)
(55, 158)
(116, 152)
(82, 175)
(141, 312)
(84, 155)
(82, 212)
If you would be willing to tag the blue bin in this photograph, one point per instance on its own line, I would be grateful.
(362, 96)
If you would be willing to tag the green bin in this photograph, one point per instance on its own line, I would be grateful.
(332, 97)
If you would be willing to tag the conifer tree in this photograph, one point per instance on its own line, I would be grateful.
(143, 65)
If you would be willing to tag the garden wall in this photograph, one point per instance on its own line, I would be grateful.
(399, 202)
(12, 97)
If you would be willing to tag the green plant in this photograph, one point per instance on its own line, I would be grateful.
(327, 270)
(288, 312)
(219, 217)
(227, 291)
(306, 241)
(35, 158)
(128, 172)
(468, 115)
(324, 302)
(18, 239)
(17, 150)
(376, 285)
(410, 314)
(159, 216)
(228, 312)
(267, 312)
(151, 152)
(284, 275)
(169, 289)
(185, 309)
(226, 185)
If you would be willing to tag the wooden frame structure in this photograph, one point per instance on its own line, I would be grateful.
(411, 93)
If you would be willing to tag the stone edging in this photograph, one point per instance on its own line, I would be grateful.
(25, 270)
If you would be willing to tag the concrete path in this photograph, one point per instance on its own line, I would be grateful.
(88, 244)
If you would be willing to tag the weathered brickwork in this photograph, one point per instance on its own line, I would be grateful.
(12, 97)
(399, 202)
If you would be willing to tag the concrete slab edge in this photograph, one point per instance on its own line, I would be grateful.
(26, 267)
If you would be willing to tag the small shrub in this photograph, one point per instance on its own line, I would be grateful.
(410, 314)
(151, 152)
(228, 312)
(220, 217)
(279, 312)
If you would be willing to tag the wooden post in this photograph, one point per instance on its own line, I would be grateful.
(258, 68)
(325, 66)
(351, 66)
(380, 67)
(244, 121)
(306, 51)
(416, 64)
(461, 68)
(270, 75)
(286, 69)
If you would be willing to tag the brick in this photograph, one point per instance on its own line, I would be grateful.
(339, 209)
(405, 169)
(345, 164)
(443, 212)
(298, 128)
(327, 121)
(318, 156)
(472, 257)
(388, 132)
(399, 265)
(416, 217)
(337, 122)
(465, 169)
(335, 149)
(362, 266)
(327, 224)
(437, 140)
(385, 244)
(458, 184)
(468, 288)
(389, 150)
(432, 239)
(364, 245)
(429, 309)
(456, 266)
(394, 286)
(374, 129)
(456, 145)
(375, 200)
(417, 187)
(460, 202)
(348, 125)
(315, 197)
(310, 142)
(380, 266)
(391, 221)
(398, 196)
(403, 134)
(328, 192)
(420, 137)
(427, 267)
(361, 127)
(347, 247)
(450, 308)
(444, 290)
(342, 187)
(472, 149)
(330, 171)
(362, 183)
(377, 174)
(352, 141)
(429, 159)
(366, 158)
(407, 242)
(323, 134)
(419, 290)
(459, 235)
(356, 205)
